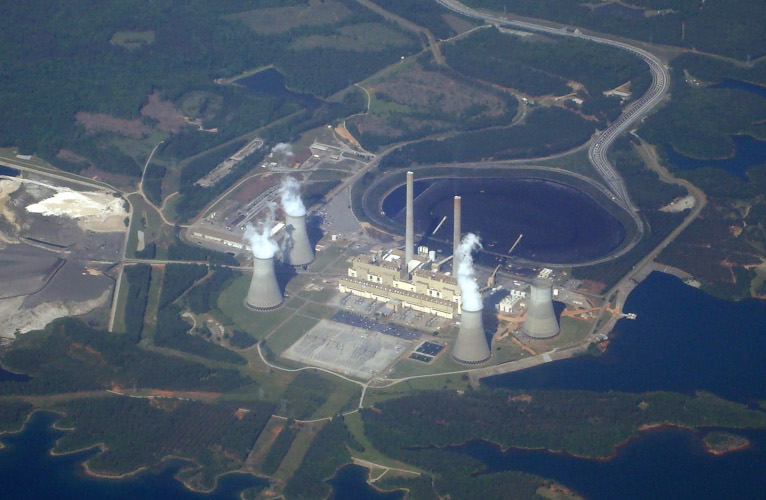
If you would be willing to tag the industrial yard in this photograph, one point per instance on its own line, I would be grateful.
(57, 246)
(346, 349)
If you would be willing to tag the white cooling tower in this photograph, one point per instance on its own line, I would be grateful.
(471, 347)
(541, 319)
(264, 293)
(297, 246)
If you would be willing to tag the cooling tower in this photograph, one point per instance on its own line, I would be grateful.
(471, 346)
(297, 246)
(541, 319)
(456, 225)
(264, 293)
(409, 230)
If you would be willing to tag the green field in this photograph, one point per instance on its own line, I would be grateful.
(289, 333)
(231, 304)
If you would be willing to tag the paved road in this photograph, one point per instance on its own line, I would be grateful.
(599, 147)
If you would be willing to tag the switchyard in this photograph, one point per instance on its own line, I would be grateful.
(348, 350)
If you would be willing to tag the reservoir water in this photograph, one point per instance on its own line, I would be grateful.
(5, 375)
(350, 483)
(559, 223)
(728, 83)
(10, 172)
(272, 83)
(29, 472)
(682, 340)
(668, 463)
(748, 152)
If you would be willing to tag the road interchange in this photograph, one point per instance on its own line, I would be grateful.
(598, 148)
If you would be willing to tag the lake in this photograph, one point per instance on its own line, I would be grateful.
(5, 375)
(748, 152)
(350, 483)
(272, 83)
(668, 463)
(560, 224)
(682, 340)
(29, 472)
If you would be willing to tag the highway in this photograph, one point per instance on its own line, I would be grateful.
(638, 109)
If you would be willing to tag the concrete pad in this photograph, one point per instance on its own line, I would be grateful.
(347, 350)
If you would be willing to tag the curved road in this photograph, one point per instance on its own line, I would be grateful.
(599, 147)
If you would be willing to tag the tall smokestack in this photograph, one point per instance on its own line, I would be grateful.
(471, 345)
(541, 319)
(409, 231)
(298, 251)
(456, 226)
(264, 293)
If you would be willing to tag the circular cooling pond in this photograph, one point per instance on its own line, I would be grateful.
(560, 224)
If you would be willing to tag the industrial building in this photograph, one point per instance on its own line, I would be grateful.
(403, 276)
(383, 278)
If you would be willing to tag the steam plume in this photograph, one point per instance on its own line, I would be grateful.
(259, 238)
(466, 278)
(290, 194)
(283, 149)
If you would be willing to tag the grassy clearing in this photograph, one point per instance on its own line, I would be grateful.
(576, 162)
(325, 258)
(279, 19)
(262, 445)
(383, 107)
(145, 218)
(119, 313)
(232, 311)
(298, 450)
(572, 330)
(152, 305)
(289, 333)
(362, 37)
(356, 427)
(317, 311)
(345, 396)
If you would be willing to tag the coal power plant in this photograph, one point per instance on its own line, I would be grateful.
(471, 347)
(297, 249)
(540, 322)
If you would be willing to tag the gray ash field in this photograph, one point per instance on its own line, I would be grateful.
(56, 244)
